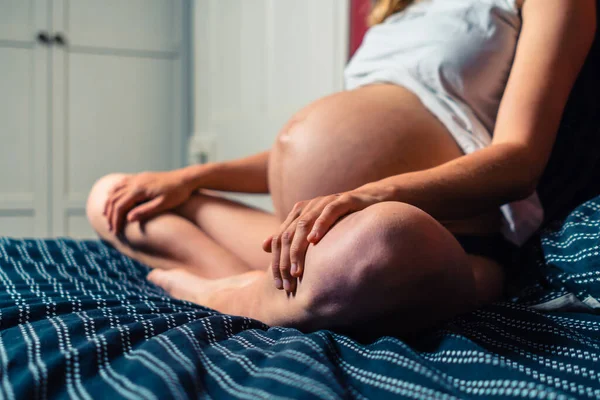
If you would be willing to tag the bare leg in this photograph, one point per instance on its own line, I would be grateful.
(389, 260)
(197, 235)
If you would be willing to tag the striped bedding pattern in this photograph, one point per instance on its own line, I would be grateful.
(78, 320)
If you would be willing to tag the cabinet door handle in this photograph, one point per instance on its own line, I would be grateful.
(59, 39)
(43, 38)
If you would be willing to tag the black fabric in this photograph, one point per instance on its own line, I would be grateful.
(494, 246)
(572, 175)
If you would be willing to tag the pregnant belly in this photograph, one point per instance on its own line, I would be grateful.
(351, 138)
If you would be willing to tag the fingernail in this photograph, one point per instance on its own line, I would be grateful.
(278, 283)
(294, 268)
(287, 285)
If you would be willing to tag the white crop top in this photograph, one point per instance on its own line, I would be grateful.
(456, 56)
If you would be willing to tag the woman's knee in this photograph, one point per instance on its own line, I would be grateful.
(380, 260)
(97, 199)
(388, 236)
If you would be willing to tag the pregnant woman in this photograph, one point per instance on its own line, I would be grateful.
(398, 201)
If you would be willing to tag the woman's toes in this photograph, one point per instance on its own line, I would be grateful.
(178, 283)
(159, 278)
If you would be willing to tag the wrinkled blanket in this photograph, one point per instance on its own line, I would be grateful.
(79, 320)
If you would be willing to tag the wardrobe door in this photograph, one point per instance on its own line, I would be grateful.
(118, 97)
(23, 118)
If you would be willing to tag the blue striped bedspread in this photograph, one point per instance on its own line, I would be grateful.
(79, 320)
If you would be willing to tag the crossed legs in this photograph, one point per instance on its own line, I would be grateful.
(209, 235)
(389, 260)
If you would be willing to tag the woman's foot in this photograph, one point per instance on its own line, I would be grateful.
(223, 295)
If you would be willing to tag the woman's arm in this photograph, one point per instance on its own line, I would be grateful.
(141, 196)
(555, 39)
(247, 175)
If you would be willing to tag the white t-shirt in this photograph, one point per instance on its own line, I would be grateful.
(456, 56)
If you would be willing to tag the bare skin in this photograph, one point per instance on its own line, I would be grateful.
(208, 237)
(351, 258)
(389, 251)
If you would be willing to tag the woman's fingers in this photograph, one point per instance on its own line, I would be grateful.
(119, 185)
(273, 245)
(266, 245)
(299, 246)
(111, 201)
(296, 211)
(275, 262)
(116, 211)
(330, 214)
(289, 282)
(146, 210)
(121, 208)
(288, 248)
(112, 191)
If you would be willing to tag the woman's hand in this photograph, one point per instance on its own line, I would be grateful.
(307, 223)
(141, 196)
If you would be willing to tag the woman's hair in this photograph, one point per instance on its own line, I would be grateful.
(384, 8)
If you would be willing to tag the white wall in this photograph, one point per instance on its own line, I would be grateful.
(257, 62)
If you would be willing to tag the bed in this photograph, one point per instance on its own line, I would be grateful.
(79, 320)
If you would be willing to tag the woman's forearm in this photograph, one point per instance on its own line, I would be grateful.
(246, 175)
(467, 186)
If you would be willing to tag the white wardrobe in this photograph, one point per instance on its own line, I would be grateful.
(87, 87)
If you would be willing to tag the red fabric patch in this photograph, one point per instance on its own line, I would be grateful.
(358, 22)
